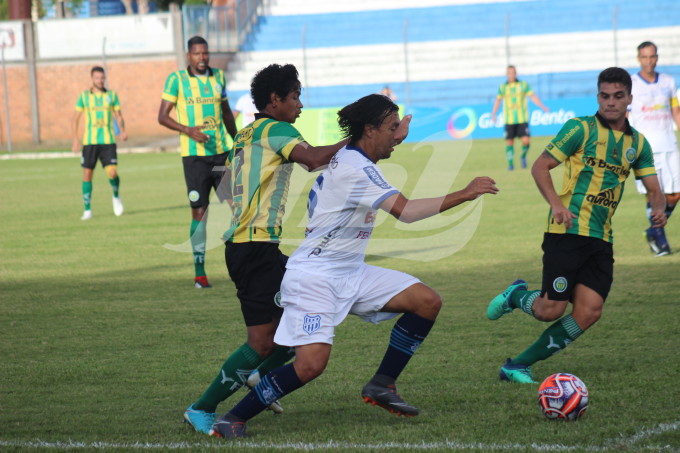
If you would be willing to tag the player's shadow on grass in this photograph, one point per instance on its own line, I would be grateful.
(157, 209)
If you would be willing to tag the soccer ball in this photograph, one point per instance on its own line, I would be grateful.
(563, 396)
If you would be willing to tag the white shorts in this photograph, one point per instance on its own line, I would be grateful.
(313, 305)
(667, 167)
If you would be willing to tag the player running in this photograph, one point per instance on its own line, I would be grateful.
(326, 277)
(599, 152)
(262, 163)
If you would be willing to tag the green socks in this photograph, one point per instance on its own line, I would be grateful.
(115, 185)
(525, 151)
(198, 238)
(232, 377)
(552, 340)
(87, 194)
(510, 154)
(279, 357)
(524, 300)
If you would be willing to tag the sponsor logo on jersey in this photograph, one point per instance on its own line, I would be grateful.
(560, 284)
(311, 323)
(375, 177)
(324, 242)
(599, 163)
(201, 100)
(605, 198)
(210, 123)
(567, 136)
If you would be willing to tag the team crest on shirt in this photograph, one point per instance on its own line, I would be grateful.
(560, 284)
(630, 155)
(311, 323)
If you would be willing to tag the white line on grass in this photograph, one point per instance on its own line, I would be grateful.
(333, 445)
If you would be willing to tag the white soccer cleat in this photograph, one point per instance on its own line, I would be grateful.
(118, 206)
(87, 215)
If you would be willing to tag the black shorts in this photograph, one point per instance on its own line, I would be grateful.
(202, 174)
(105, 153)
(513, 131)
(569, 259)
(257, 269)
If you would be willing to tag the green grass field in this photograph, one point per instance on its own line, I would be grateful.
(105, 342)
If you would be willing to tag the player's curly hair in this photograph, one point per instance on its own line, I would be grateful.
(275, 78)
(371, 109)
(615, 75)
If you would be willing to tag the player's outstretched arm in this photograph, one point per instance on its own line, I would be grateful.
(409, 211)
(312, 158)
(538, 102)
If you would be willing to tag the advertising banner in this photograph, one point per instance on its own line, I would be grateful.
(320, 126)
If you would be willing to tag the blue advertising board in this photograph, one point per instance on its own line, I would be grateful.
(474, 121)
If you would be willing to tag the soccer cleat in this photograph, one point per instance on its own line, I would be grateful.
(202, 282)
(665, 250)
(650, 234)
(387, 398)
(524, 162)
(658, 244)
(500, 305)
(511, 166)
(226, 428)
(118, 206)
(201, 421)
(252, 381)
(87, 215)
(516, 372)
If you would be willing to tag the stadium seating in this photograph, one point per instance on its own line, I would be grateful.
(455, 49)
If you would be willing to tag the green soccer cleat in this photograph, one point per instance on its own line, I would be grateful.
(516, 372)
(202, 421)
(500, 304)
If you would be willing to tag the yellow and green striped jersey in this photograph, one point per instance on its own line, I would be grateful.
(261, 170)
(597, 162)
(198, 101)
(515, 104)
(98, 109)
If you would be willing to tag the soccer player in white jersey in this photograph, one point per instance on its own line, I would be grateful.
(653, 111)
(327, 279)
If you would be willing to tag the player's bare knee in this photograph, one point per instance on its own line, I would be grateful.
(429, 303)
(547, 310)
(307, 370)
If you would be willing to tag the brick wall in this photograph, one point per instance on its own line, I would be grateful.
(139, 83)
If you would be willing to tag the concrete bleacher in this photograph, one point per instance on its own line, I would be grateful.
(456, 50)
